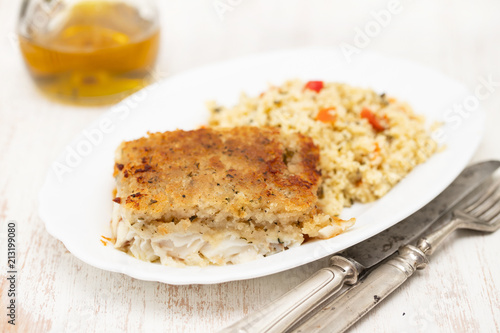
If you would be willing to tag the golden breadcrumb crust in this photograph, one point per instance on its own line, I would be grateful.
(242, 172)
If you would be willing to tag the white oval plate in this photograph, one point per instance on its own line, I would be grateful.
(75, 201)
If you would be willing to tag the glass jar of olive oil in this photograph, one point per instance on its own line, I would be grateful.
(89, 52)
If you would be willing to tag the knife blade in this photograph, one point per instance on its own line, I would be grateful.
(282, 313)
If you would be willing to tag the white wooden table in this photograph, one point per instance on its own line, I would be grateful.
(460, 290)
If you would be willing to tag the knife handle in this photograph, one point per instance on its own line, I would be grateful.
(280, 314)
(343, 312)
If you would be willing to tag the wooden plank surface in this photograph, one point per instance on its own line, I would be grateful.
(460, 290)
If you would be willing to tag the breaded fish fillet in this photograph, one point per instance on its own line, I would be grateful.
(217, 196)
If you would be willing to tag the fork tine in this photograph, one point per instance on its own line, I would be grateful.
(490, 227)
(494, 224)
(485, 208)
(484, 202)
(493, 210)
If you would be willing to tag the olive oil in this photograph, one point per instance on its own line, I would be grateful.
(98, 53)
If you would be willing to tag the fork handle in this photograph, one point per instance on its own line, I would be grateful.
(343, 312)
(280, 314)
(431, 241)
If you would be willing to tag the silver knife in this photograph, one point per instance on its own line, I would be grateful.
(282, 313)
(478, 211)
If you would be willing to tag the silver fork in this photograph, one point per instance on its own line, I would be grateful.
(481, 212)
